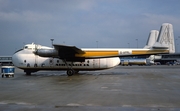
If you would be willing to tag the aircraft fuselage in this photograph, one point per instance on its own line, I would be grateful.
(25, 59)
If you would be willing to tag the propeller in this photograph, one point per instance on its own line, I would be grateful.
(36, 49)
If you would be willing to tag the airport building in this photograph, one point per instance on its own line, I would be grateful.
(5, 60)
(166, 58)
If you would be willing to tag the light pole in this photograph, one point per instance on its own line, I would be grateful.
(137, 42)
(128, 45)
(52, 42)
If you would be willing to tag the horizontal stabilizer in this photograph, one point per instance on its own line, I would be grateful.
(157, 45)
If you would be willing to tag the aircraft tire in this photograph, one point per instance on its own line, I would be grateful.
(70, 72)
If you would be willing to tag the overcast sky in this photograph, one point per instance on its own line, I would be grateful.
(113, 23)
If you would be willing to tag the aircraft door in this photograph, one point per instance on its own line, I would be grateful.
(96, 63)
(35, 58)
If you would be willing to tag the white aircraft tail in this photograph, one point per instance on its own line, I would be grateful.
(166, 38)
(153, 35)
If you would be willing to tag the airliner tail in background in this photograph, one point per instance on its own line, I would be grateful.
(153, 35)
(165, 38)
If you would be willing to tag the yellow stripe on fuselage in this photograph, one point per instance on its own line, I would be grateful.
(137, 52)
(98, 54)
(119, 52)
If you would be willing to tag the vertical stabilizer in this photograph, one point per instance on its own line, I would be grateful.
(166, 38)
(153, 35)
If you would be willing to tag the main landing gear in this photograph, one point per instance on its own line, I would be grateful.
(28, 72)
(70, 72)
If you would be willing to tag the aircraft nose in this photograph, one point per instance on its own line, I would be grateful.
(15, 58)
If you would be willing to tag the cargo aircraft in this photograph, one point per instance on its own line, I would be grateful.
(33, 57)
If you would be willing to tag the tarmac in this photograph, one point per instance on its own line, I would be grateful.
(127, 88)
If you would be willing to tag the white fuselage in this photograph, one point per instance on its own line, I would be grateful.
(25, 59)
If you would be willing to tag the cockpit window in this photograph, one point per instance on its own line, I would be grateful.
(18, 50)
(27, 47)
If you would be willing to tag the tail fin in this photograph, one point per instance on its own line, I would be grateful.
(153, 35)
(166, 38)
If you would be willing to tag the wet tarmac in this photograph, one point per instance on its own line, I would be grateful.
(140, 88)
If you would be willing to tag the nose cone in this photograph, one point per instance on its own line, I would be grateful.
(16, 58)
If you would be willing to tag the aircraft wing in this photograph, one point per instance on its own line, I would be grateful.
(68, 49)
(68, 52)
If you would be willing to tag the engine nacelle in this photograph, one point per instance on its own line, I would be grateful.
(47, 52)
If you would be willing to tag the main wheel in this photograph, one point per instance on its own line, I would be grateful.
(70, 72)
